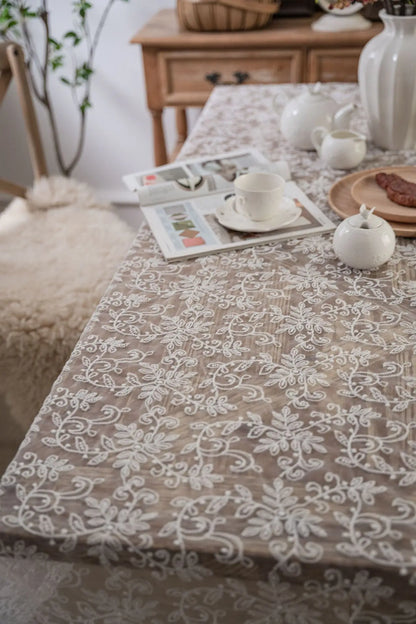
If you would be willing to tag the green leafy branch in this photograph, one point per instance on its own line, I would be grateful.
(59, 56)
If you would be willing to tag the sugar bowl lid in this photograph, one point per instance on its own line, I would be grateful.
(365, 219)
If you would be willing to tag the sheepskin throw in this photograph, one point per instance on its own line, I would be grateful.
(58, 252)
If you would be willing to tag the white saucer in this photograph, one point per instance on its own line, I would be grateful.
(230, 218)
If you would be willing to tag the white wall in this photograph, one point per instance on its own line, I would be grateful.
(119, 138)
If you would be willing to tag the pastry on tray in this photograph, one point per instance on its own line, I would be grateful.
(399, 190)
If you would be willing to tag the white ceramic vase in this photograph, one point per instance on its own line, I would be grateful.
(387, 80)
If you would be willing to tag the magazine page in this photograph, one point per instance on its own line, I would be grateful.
(190, 228)
(198, 177)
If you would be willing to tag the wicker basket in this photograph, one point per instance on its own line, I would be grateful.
(203, 15)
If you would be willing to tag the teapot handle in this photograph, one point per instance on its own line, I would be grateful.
(317, 136)
(277, 103)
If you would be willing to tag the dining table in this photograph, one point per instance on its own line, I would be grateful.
(233, 438)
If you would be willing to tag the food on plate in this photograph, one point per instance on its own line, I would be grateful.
(399, 190)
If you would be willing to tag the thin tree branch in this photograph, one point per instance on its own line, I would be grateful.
(90, 58)
(47, 99)
(80, 145)
(39, 73)
(100, 28)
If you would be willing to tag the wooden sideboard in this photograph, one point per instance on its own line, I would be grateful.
(181, 67)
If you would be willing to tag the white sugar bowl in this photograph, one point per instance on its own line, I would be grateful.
(364, 241)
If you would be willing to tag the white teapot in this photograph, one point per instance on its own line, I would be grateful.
(307, 111)
(364, 241)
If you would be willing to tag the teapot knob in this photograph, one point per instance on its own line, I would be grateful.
(316, 88)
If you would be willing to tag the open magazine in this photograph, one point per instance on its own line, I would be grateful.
(180, 201)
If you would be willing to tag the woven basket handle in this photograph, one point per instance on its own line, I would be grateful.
(246, 5)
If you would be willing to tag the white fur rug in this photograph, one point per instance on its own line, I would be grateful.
(58, 252)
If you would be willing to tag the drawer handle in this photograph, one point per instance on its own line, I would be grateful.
(215, 78)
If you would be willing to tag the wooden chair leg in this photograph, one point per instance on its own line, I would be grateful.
(5, 77)
(12, 189)
(17, 65)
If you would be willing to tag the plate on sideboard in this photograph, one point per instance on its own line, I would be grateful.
(342, 202)
(365, 190)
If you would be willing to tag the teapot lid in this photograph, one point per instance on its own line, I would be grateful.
(366, 220)
(315, 91)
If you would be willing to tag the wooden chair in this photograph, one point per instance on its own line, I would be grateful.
(12, 65)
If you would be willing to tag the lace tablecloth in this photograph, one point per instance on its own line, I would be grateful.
(233, 438)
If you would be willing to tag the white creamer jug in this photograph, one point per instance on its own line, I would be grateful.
(340, 149)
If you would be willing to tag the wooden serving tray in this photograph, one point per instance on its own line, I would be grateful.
(365, 190)
(342, 202)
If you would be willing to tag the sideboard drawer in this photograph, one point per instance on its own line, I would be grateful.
(336, 65)
(188, 77)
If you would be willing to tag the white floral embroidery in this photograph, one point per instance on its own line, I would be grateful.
(233, 437)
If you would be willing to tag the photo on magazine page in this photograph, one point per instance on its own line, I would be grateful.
(227, 167)
(199, 173)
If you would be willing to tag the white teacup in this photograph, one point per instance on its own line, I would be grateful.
(258, 195)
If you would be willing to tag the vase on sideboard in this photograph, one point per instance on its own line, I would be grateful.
(387, 83)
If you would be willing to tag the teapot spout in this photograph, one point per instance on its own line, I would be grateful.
(342, 118)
